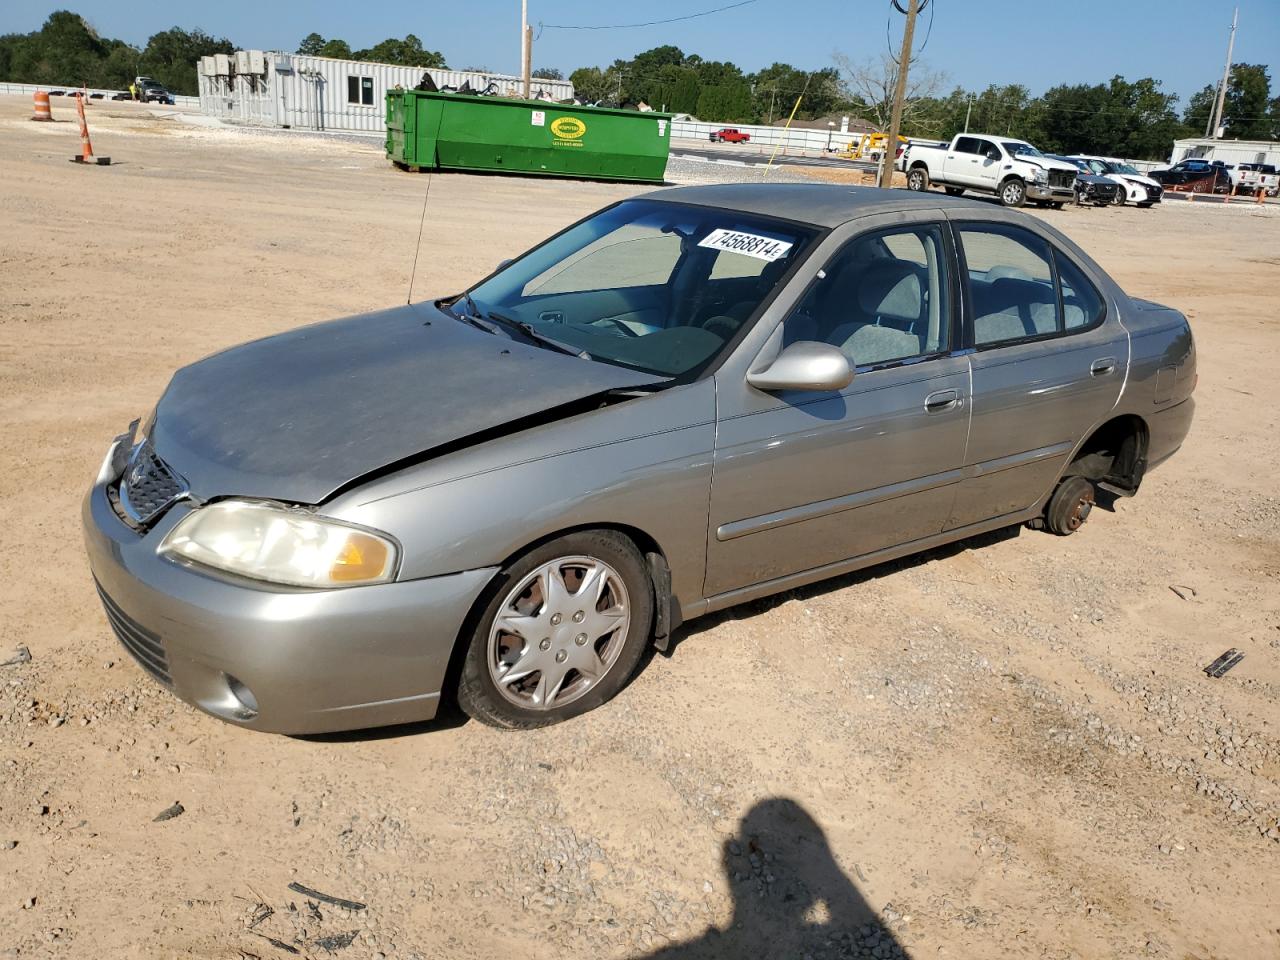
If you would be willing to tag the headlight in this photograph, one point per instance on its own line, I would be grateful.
(282, 545)
(1038, 175)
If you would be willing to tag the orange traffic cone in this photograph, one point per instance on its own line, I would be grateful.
(41, 98)
(86, 148)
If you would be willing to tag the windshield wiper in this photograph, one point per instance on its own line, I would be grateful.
(534, 335)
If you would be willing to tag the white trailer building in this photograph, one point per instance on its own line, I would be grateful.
(318, 93)
(1228, 151)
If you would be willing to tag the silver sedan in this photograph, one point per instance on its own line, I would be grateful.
(687, 400)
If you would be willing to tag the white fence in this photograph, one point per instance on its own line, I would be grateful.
(794, 140)
(27, 89)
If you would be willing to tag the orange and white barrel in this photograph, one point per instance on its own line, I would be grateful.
(41, 98)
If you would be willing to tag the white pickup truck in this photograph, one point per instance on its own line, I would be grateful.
(1012, 170)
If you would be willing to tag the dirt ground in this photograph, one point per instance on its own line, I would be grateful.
(1003, 749)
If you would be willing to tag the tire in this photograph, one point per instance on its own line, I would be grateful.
(1122, 197)
(918, 179)
(1013, 192)
(1056, 205)
(954, 191)
(626, 594)
(1069, 506)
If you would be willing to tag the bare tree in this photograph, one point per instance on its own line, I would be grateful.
(873, 80)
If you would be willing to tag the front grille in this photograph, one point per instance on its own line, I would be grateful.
(144, 645)
(148, 487)
(1153, 192)
(1061, 178)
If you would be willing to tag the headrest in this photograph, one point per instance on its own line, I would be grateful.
(891, 288)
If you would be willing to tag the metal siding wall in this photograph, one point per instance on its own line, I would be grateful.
(310, 93)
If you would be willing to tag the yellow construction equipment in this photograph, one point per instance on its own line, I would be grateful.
(870, 146)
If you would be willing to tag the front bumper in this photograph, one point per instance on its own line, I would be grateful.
(311, 661)
(1042, 191)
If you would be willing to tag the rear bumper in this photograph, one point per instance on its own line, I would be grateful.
(311, 661)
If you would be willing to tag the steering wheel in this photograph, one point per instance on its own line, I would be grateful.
(722, 326)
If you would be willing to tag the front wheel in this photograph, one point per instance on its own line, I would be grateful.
(1122, 195)
(954, 191)
(561, 634)
(1013, 193)
(918, 180)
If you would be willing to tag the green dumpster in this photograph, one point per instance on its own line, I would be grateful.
(455, 131)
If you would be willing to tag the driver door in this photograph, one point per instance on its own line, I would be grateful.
(802, 479)
(986, 170)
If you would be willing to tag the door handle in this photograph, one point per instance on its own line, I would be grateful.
(1100, 368)
(941, 400)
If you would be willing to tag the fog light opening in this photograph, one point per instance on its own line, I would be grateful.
(248, 703)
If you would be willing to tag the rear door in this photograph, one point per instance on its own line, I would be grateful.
(1048, 365)
(962, 162)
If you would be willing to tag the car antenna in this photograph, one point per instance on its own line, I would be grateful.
(418, 249)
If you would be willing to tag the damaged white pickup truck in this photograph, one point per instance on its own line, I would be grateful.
(1012, 170)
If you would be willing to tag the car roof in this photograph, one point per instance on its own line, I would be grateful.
(821, 204)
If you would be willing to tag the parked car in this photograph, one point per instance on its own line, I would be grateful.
(1254, 178)
(505, 495)
(1091, 187)
(1137, 188)
(729, 135)
(1012, 170)
(1193, 176)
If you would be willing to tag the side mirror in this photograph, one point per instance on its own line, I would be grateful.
(805, 365)
(993, 154)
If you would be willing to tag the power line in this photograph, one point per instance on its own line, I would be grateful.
(647, 23)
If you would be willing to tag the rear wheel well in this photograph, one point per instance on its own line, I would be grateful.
(1114, 455)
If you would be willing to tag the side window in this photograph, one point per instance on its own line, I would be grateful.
(1010, 278)
(966, 145)
(983, 147)
(883, 297)
(1082, 304)
(360, 90)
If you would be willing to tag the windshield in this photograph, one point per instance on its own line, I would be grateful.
(1018, 148)
(659, 287)
(1126, 168)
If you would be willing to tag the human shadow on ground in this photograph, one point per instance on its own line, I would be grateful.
(790, 897)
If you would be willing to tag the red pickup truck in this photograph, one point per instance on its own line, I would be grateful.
(729, 135)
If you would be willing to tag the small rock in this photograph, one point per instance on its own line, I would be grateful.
(10, 844)
(176, 810)
(29, 903)
(41, 809)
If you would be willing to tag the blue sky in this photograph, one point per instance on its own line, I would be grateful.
(976, 42)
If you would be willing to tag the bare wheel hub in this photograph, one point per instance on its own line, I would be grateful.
(1080, 511)
(558, 632)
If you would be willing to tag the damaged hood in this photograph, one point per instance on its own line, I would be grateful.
(294, 417)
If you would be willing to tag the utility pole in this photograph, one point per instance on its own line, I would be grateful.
(1215, 116)
(968, 110)
(899, 94)
(525, 47)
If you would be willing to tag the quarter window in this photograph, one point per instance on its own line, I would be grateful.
(360, 90)
(884, 297)
(1082, 304)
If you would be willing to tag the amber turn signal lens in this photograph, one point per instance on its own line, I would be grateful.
(362, 557)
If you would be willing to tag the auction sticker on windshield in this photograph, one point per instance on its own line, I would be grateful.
(748, 244)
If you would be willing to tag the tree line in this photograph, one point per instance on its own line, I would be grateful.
(68, 52)
(1120, 117)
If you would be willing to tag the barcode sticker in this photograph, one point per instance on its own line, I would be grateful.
(747, 244)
